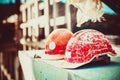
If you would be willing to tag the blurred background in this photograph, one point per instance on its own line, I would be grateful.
(25, 25)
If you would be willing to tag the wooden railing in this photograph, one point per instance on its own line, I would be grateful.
(45, 15)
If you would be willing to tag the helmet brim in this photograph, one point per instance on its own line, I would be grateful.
(52, 56)
(68, 65)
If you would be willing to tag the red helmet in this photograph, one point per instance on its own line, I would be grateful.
(56, 44)
(84, 46)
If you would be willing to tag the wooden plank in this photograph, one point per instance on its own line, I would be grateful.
(91, 72)
(47, 72)
(59, 21)
(50, 70)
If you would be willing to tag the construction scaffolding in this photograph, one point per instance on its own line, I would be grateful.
(40, 18)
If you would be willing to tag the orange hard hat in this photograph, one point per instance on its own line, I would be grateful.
(56, 44)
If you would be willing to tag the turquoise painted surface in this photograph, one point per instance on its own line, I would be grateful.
(46, 70)
(107, 10)
(9, 1)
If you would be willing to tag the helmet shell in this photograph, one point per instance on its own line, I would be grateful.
(85, 45)
(56, 43)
